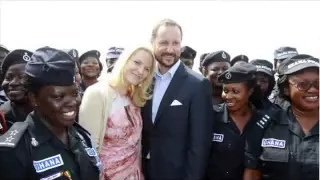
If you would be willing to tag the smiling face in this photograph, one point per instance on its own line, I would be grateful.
(304, 99)
(215, 69)
(58, 104)
(14, 83)
(167, 45)
(138, 67)
(236, 95)
(90, 67)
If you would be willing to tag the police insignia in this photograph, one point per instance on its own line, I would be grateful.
(48, 163)
(91, 152)
(26, 57)
(224, 55)
(217, 137)
(53, 176)
(228, 75)
(34, 142)
(271, 142)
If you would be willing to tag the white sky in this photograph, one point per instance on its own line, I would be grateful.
(252, 28)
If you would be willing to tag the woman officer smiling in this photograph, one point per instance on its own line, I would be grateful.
(49, 144)
(289, 147)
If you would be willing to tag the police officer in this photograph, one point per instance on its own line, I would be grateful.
(202, 56)
(280, 55)
(233, 123)
(49, 144)
(3, 53)
(239, 59)
(214, 65)
(289, 147)
(265, 79)
(75, 54)
(90, 67)
(113, 55)
(187, 56)
(14, 86)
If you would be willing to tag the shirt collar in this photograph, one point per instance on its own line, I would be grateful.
(171, 71)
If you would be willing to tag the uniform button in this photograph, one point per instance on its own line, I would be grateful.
(227, 172)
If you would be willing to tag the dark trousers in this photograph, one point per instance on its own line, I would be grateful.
(146, 169)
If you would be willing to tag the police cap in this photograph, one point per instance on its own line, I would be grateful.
(114, 52)
(218, 56)
(92, 53)
(188, 53)
(18, 56)
(52, 67)
(73, 53)
(284, 52)
(238, 73)
(2, 48)
(297, 63)
(263, 66)
(239, 58)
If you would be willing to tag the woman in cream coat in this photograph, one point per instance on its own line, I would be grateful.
(110, 111)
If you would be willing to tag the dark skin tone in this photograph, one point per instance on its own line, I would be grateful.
(90, 71)
(57, 106)
(236, 97)
(212, 72)
(3, 54)
(14, 86)
(187, 62)
(263, 82)
(305, 110)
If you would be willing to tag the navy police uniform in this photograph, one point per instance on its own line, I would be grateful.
(29, 150)
(280, 55)
(264, 66)
(19, 56)
(187, 56)
(228, 143)
(284, 151)
(239, 58)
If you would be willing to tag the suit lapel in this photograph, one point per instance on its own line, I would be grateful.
(172, 90)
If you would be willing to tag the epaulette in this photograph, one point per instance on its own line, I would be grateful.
(264, 121)
(12, 137)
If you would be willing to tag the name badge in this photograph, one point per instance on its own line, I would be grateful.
(53, 176)
(48, 163)
(217, 137)
(271, 142)
(91, 152)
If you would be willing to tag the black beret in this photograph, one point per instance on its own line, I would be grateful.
(114, 52)
(297, 63)
(73, 53)
(2, 48)
(18, 56)
(188, 53)
(284, 52)
(218, 56)
(52, 67)
(92, 53)
(239, 58)
(263, 66)
(238, 73)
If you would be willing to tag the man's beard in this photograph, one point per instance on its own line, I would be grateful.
(159, 59)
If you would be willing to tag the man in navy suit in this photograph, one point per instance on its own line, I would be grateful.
(177, 122)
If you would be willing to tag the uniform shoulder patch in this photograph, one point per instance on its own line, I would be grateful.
(13, 135)
(264, 121)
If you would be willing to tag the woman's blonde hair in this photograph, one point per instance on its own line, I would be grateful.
(139, 93)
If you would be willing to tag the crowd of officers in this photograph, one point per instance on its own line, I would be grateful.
(276, 137)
